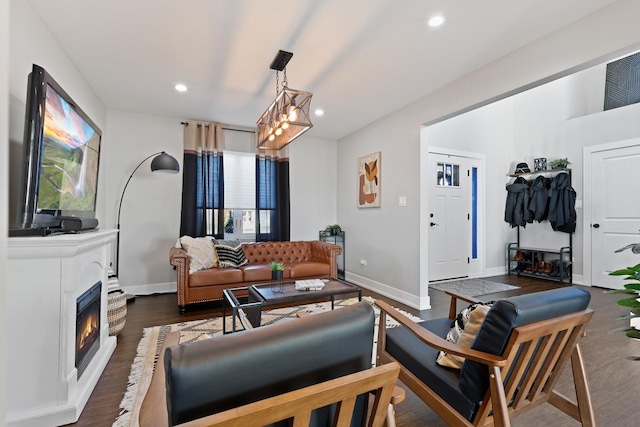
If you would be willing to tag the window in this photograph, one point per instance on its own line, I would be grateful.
(474, 213)
(448, 175)
(239, 195)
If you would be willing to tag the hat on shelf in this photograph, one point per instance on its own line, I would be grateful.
(522, 168)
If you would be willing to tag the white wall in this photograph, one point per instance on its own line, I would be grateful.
(32, 43)
(313, 186)
(555, 120)
(4, 188)
(558, 120)
(487, 131)
(389, 239)
(150, 217)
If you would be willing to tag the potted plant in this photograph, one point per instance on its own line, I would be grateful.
(631, 302)
(277, 270)
(333, 229)
(559, 163)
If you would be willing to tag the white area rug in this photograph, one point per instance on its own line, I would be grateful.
(149, 347)
(472, 287)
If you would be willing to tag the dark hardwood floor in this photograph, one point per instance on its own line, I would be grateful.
(615, 381)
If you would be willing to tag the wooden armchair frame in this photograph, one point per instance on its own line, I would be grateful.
(300, 403)
(533, 361)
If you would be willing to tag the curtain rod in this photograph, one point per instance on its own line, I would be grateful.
(225, 128)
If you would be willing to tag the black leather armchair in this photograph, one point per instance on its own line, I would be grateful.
(513, 363)
(225, 372)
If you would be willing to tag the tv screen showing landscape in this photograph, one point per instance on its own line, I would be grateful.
(69, 158)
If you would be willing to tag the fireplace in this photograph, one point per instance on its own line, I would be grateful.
(87, 326)
(54, 273)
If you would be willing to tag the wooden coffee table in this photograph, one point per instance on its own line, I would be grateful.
(248, 309)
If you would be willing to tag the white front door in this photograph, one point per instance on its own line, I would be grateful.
(615, 213)
(449, 217)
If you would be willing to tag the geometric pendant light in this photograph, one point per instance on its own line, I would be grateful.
(288, 116)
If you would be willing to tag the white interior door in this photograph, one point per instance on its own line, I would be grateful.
(615, 213)
(449, 213)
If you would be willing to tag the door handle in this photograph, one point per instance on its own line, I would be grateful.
(595, 225)
(433, 223)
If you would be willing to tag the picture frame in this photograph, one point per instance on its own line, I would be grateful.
(369, 181)
(540, 164)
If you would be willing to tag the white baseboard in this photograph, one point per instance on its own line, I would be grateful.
(495, 271)
(390, 292)
(152, 288)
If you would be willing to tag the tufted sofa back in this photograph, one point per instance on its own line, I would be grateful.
(265, 252)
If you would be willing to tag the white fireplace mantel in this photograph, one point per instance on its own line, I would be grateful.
(45, 277)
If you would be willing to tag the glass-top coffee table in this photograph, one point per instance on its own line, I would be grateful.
(246, 302)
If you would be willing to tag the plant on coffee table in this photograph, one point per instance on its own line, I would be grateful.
(277, 266)
(277, 274)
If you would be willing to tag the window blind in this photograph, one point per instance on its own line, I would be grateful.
(239, 180)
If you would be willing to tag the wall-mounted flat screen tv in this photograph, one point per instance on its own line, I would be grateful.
(61, 156)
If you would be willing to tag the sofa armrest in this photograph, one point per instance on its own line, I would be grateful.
(326, 253)
(180, 260)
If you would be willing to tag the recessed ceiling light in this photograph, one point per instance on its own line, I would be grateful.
(436, 21)
(319, 112)
(181, 87)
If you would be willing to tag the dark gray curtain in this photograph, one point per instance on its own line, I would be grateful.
(272, 196)
(202, 181)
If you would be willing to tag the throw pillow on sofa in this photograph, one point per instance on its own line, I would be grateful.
(230, 253)
(201, 253)
(463, 331)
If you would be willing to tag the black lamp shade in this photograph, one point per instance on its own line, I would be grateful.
(164, 162)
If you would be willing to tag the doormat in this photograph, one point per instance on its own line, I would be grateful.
(472, 287)
(152, 339)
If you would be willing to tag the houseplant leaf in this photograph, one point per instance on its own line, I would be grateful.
(629, 302)
(633, 333)
(623, 272)
(625, 329)
(620, 291)
(627, 317)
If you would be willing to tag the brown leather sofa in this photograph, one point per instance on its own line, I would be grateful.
(301, 259)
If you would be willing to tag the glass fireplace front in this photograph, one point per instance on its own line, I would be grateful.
(87, 326)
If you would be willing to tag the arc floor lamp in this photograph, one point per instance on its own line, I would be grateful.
(163, 163)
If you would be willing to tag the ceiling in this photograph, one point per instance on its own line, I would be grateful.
(362, 59)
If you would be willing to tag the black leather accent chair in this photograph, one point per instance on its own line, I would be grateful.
(228, 371)
(512, 365)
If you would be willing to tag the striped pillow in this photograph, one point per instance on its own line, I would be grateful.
(463, 331)
(230, 253)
